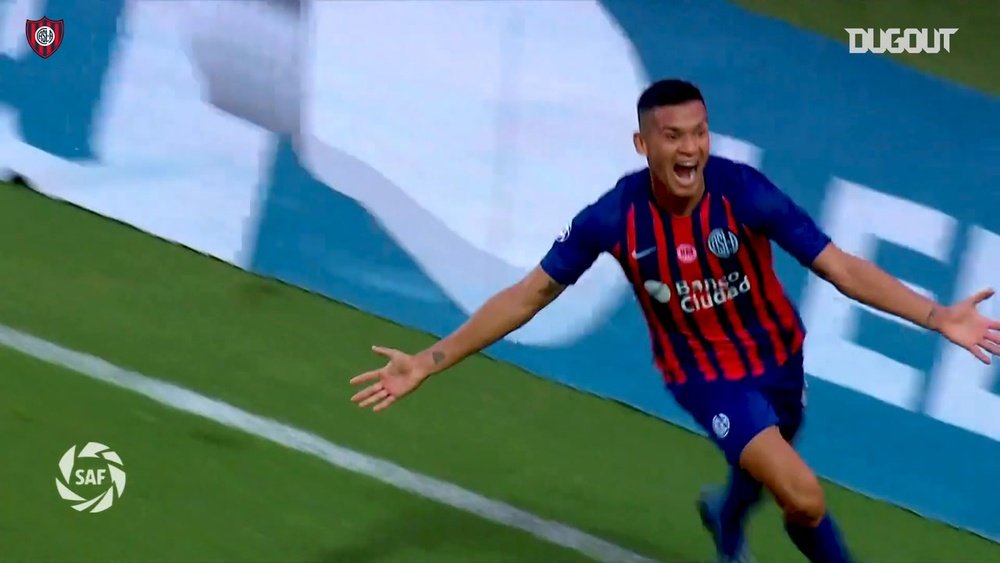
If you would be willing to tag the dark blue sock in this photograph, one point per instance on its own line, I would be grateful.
(742, 494)
(821, 544)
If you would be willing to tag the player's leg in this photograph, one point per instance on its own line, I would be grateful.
(732, 414)
(729, 508)
(724, 511)
(772, 461)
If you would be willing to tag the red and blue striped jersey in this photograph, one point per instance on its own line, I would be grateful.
(706, 282)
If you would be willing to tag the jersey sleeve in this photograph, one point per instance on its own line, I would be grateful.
(576, 248)
(781, 219)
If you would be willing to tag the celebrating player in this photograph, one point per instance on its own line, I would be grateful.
(693, 233)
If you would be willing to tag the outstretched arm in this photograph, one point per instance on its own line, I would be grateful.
(502, 314)
(573, 252)
(866, 283)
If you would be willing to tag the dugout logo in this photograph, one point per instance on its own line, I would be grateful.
(895, 40)
(92, 478)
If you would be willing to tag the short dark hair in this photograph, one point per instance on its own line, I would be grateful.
(667, 92)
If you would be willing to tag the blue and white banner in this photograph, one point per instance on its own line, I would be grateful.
(412, 158)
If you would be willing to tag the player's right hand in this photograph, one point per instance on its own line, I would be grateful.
(400, 375)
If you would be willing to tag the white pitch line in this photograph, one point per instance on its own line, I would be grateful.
(442, 491)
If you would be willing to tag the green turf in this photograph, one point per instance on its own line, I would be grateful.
(198, 491)
(974, 50)
(104, 288)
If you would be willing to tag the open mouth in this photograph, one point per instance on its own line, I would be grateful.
(685, 172)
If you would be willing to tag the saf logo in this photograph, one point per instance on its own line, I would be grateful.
(91, 477)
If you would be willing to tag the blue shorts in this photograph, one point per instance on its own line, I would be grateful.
(734, 412)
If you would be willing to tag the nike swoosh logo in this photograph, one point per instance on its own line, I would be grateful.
(643, 254)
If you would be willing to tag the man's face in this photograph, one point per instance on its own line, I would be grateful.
(674, 140)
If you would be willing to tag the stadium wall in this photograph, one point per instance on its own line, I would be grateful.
(414, 177)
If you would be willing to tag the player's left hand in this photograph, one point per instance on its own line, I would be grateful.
(962, 324)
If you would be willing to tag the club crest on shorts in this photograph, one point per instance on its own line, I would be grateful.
(720, 425)
(723, 243)
(44, 36)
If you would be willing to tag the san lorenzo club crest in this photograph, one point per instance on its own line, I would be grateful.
(723, 243)
(44, 36)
